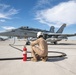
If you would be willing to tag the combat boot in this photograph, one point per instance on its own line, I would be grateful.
(44, 58)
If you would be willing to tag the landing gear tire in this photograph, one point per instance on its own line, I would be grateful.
(55, 43)
(27, 43)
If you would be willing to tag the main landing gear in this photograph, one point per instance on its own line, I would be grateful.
(55, 43)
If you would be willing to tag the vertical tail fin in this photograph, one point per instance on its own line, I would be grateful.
(60, 30)
(52, 29)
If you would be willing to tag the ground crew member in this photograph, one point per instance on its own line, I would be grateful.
(39, 47)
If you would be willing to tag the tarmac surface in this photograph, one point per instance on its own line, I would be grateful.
(54, 66)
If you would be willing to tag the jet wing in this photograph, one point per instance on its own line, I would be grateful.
(60, 34)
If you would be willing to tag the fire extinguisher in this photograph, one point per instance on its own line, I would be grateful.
(24, 53)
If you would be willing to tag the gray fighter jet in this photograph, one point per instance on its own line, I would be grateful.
(27, 32)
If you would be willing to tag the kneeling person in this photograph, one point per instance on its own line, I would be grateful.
(39, 47)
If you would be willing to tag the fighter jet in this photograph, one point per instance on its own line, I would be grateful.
(27, 32)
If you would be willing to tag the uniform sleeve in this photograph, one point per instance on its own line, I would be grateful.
(34, 42)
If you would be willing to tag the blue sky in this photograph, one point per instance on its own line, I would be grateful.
(38, 14)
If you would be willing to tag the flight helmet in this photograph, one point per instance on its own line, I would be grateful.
(39, 34)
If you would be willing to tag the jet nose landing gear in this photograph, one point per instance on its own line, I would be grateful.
(27, 41)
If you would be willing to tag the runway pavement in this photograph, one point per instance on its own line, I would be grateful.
(54, 66)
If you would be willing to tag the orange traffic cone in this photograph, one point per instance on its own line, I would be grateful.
(24, 54)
